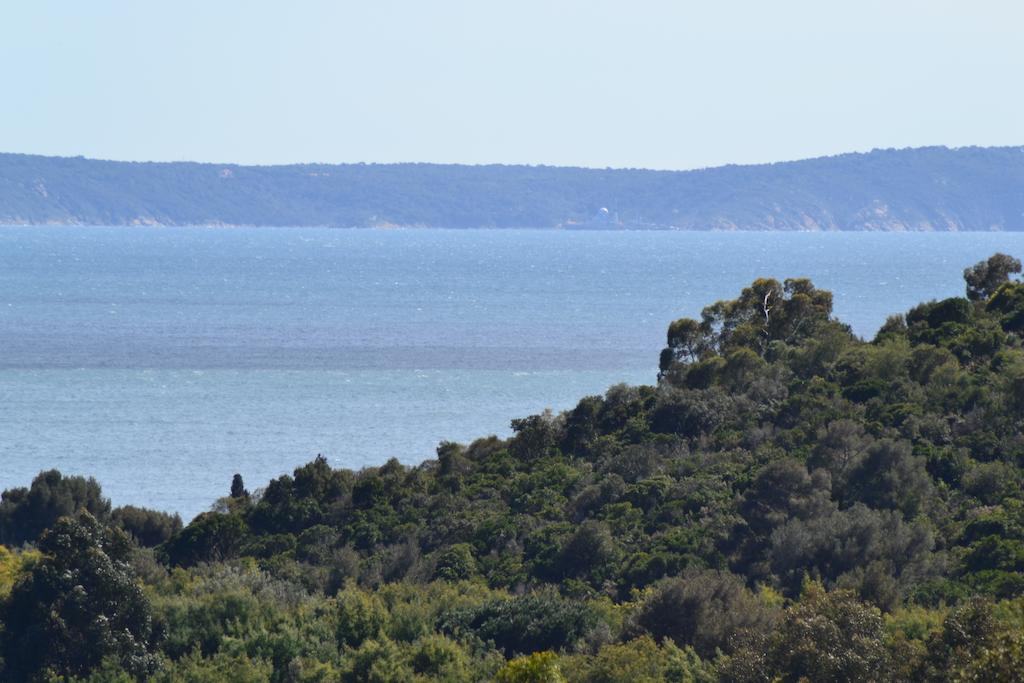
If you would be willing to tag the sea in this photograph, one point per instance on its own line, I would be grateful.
(161, 361)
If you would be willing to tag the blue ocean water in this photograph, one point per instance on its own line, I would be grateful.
(162, 361)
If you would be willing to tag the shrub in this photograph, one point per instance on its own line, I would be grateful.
(542, 620)
(705, 609)
(361, 616)
(539, 667)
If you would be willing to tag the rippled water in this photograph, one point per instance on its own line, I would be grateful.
(162, 361)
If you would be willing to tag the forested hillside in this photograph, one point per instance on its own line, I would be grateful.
(914, 189)
(788, 503)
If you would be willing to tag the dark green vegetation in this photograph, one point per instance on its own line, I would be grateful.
(916, 189)
(789, 503)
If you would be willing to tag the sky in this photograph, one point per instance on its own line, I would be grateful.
(631, 83)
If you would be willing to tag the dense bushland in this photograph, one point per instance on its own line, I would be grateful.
(789, 501)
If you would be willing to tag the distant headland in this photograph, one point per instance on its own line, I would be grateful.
(923, 189)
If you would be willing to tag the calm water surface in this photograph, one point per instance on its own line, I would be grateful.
(162, 361)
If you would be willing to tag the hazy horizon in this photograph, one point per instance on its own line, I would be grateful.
(654, 84)
(223, 162)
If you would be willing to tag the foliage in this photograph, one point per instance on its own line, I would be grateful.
(361, 617)
(149, 528)
(539, 667)
(983, 279)
(641, 660)
(76, 606)
(26, 513)
(826, 637)
(530, 623)
(13, 565)
(706, 610)
(789, 501)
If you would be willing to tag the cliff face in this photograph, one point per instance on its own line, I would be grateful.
(915, 189)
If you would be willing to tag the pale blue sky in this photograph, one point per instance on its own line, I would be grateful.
(593, 83)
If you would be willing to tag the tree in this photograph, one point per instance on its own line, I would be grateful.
(537, 621)
(438, 657)
(588, 550)
(889, 476)
(967, 632)
(767, 311)
(640, 660)
(829, 546)
(455, 563)
(824, 637)
(26, 513)
(361, 616)
(238, 487)
(685, 343)
(705, 610)
(210, 537)
(539, 667)
(839, 448)
(784, 490)
(534, 436)
(12, 566)
(148, 527)
(985, 277)
(377, 661)
(80, 603)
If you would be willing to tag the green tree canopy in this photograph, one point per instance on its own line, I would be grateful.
(985, 277)
(80, 604)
